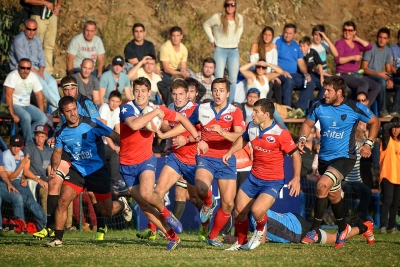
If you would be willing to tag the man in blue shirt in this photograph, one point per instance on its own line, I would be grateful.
(290, 59)
(77, 138)
(339, 117)
(28, 45)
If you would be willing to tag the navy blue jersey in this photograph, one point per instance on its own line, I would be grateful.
(86, 108)
(80, 143)
(338, 127)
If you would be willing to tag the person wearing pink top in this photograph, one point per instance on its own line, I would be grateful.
(348, 62)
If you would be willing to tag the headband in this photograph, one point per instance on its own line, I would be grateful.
(69, 84)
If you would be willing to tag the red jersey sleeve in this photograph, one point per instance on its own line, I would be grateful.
(286, 142)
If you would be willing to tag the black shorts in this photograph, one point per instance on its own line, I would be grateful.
(342, 165)
(97, 182)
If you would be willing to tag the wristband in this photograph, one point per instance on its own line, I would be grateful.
(197, 139)
(369, 143)
(302, 138)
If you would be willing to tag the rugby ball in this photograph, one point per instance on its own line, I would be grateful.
(154, 124)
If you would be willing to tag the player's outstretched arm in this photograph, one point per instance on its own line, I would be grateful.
(304, 132)
(294, 184)
(55, 161)
(236, 146)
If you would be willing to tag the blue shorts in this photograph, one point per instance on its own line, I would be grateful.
(186, 170)
(217, 168)
(253, 186)
(131, 173)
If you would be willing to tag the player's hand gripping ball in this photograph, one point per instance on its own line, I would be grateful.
(154, 124)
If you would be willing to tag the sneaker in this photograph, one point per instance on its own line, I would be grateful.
(120, 187)
(101, 232)
(45, 232)
(55, 243)
(393, 231)
(384, 114)
(206, 214)
(383, 230)
(174, 223)
(147, 234)
(127, 211)
(174, 244)
(341, 237)
(395, 114)
(86, 227)
(235, 247)
(254, 241)
(203, 233)
(215, 242)
(310, 238)
(369, 234)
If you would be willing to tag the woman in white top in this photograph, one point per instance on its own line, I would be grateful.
(264, 49)
(224, 31)
(258, 78)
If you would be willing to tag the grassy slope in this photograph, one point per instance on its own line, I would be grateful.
(122, 248)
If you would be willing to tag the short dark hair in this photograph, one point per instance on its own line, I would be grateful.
(318, 28)
(337, 83)
(115, 93)
(175, 29)
(24, 59)
(142, 81)
(152, 57)
(222, 80)
(90, 22)
(305, 40)
(266, 106)
(209, 60)
(349, 23)
(178, 83)
(65, 100)
(192, 82)
(383, 30)
(137, 25)
(290, 26)
(68, 79)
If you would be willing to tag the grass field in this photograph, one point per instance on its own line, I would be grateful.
(122, 248)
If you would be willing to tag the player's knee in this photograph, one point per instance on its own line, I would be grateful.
(54, 186)
(227, 207)
(322, 189)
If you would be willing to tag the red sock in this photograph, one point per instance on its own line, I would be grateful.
(171, 235)
(219, 221)
(165, 212)
(208, 199)
(241, 229)
(152, 226)
(261, 224)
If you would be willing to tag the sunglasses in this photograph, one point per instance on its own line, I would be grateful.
(29, 29)
(230, 5)
(361, 100)
(24, 68)
(348, 30)
(262, 67)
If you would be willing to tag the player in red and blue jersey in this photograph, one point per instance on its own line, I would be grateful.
(138, 162)
(77, 139)
(220, 123)
(258, 192)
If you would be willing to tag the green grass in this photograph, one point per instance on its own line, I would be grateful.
(122, 248)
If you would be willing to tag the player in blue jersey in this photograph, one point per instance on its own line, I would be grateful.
(77, 138)
(291, 228)
(339, 117)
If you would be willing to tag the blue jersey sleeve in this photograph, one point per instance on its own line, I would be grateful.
(100, 129)
(91, 107)
(312, 114)
(194, 118)
(126, 111)
(245, 135)
(363, 112)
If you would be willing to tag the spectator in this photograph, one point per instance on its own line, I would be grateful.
(86, 45)
(374, 61)
(110, 114)
(115, 79)
(347, 62)
(322, 44)
(40, 163)
(206, 76)
(28, 45)
(19, 85)
(47, 28)
(9, 193)
(138, 48)
(395, 49)
(290, 59)
(266, 50)
(195, 90)
(88, 85)
(17, 168)
(389, 178)
(147, 68)
(224, 31)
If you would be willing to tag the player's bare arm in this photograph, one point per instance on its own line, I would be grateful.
(365, 149)
(55, 161)
(115, 137)
(202, 146)
(137, 123)
(231, 136)
(294, 184)
(304, 132)
(236, 146)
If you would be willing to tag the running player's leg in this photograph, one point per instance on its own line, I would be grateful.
(181, 196)
(203, 180)
(243, 205)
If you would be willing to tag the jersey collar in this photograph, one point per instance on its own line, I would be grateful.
(179, 110)
(266, 129)
(218, 115)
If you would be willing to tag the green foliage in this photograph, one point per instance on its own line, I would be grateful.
(10, 21)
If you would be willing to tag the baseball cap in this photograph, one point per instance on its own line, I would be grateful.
(118, 60)
(16, 140)
(41, 129)
(253, 90)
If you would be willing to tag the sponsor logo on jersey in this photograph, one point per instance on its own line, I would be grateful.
(334, 123)
(343, 117)
(183, 114)
(203, 116)
(223, 129)
(261, 149)
(270, 139)
(228, 118)
(83, 155)
(333, 134)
